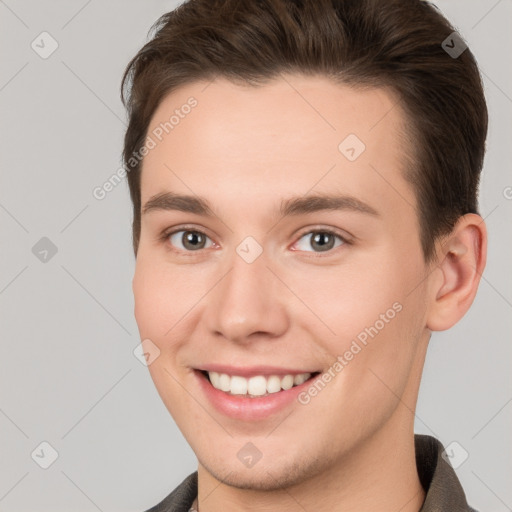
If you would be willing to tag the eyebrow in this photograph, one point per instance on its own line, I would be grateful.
(289, 207)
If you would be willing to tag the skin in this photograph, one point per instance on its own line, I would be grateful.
(245, 149)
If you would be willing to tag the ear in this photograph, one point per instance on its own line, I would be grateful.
(462, 256)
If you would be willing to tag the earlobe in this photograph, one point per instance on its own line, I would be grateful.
(462, 258)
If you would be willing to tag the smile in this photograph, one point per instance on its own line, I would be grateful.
(256, 386)
(261, 393)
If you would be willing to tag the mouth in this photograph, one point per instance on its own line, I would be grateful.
(255, 386)
(252, 394)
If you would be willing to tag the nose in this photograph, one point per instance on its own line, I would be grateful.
(248, 303)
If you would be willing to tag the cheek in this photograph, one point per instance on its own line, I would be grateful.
(159, 305)
(365, 314)
(161, 299)
(346, 300)
(385, 321)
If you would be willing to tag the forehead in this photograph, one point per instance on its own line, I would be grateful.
(295, 134)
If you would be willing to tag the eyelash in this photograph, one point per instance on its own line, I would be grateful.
(164, 238)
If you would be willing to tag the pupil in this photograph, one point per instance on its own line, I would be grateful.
(193, 238)
(319, 238)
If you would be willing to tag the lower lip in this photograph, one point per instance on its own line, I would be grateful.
(250, 409)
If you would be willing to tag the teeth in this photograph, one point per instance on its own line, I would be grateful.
(273, 384)
(238, 385)
(224, 382)
(301, 378)
(257, 385)
(287, 382)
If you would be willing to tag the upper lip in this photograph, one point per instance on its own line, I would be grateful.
(252, 371)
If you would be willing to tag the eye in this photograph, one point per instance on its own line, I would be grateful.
(190, 240)
(193, 240)
(323, 240)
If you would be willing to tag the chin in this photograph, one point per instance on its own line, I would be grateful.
(264, 476)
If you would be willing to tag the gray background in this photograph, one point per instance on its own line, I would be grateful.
(68, 375)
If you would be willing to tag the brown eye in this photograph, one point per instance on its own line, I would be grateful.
(320, 241)
(188, 240)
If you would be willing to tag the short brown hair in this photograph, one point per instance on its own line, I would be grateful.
(392, 43)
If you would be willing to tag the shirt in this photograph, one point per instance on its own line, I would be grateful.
(443, 490)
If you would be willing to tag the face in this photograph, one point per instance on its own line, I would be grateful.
(270, 282)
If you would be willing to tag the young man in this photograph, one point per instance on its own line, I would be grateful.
(304, 179)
